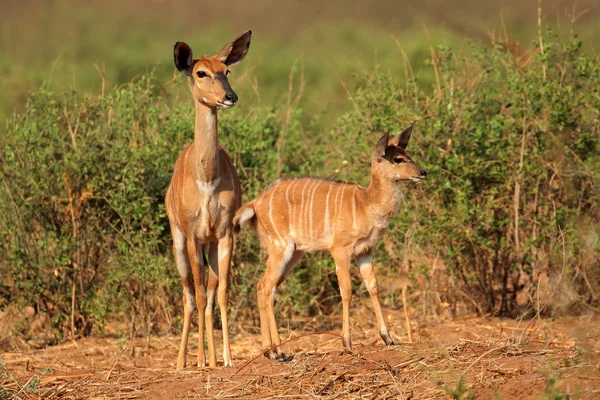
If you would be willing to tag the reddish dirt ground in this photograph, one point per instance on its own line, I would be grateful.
(560, 357)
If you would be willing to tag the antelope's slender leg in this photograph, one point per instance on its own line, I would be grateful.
(279, 264)
(284, 270)
(225, 248)
(342, 269)
(198, 273)
(184, 269)
(365, 264)
(265, 296)
(211, 287)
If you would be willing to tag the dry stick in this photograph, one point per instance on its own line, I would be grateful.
(479, 358)
(290, 104)
(434, 60)
(539, 23)
(71, 208)
(407, 67)
(562, 236)
(115, 363)
(408, 329)
(351, 98)
(285, 342)
(101, 73)
(517, 194)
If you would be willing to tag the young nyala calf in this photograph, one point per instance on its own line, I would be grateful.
(298, 216)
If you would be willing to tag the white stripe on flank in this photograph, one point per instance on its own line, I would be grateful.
(287, 200)
(326, 224)
(337, 193)
(302, 207)
(271, 215)
(341, 203)
(354, 208)
(310, 211)
(292, 221)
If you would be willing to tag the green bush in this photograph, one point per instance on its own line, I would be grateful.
(511, 145)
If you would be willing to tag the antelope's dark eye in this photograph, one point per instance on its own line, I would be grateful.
(398, 160)
(227, 73)
(200, 74)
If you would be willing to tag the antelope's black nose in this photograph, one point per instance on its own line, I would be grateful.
(423, 173)
(232, 97)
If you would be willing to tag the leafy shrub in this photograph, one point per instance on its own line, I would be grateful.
(511, 145)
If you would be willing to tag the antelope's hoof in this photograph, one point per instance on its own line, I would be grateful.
(388, 340)
(271, 355)
(347, 345)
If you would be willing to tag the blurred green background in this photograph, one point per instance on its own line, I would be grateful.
(71, 43)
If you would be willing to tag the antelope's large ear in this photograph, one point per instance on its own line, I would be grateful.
(235, 51)
(182, 53)
(402, 139)
(381, 145)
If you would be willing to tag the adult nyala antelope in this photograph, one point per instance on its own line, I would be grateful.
(203, 196)
(307, 215)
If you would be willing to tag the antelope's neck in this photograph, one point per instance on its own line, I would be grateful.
(383, 198)
(206, 144)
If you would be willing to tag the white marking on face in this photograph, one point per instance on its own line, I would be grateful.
(364, 261)
(208, 187)
(247, 214)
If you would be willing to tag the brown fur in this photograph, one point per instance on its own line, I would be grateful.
(202, 198)
(307, 215)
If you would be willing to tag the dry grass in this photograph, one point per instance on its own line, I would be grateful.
(478, 356)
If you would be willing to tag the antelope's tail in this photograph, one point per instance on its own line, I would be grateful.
(244, 216)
